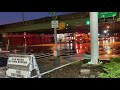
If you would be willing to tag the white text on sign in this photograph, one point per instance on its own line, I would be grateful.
(18, 61)
(16, 73)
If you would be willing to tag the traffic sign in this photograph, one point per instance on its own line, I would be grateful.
(17, 73)
(18, 60)
(61, 25)
(106, 14)
(54, 24)
(21, 66)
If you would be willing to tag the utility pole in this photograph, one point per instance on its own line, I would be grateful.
(94, 37)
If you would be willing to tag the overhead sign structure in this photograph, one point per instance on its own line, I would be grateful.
(54, 24)
(106, 14)
(21, 66)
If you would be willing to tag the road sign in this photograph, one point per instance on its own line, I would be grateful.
(21, 66)
(17, 73)
(54, 24)
(18, 60)
(106, 14)
(61, 25)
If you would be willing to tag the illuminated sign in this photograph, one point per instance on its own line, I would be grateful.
(106, 14)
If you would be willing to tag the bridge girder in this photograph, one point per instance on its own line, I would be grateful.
(40, 26)
(45, 24)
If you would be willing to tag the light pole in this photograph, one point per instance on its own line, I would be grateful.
(24, 32)
(94, 37)
(105, 33)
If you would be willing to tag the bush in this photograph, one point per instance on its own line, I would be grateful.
(111, 69)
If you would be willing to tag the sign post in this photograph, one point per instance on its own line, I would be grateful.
(22, 66)
(54, 25)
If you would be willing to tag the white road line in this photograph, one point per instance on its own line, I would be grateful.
(58, 68)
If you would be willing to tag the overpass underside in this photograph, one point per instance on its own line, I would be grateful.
(44, 24)
(76, 24)
(70, 29)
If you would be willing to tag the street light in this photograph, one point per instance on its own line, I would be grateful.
(108, 27)
(105, 31)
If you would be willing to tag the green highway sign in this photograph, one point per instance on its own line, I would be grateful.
(106, 14)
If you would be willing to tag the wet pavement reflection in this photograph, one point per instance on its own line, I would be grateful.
(51, 63)
(109, 46)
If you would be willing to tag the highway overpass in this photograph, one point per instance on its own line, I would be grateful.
(76, 22)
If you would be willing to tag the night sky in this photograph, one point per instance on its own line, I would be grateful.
(12, 17)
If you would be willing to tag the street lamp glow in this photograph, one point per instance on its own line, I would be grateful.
(105, 31)
(108, 26)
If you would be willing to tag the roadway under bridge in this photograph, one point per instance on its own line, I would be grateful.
(76, 23)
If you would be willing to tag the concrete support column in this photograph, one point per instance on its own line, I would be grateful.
(94, 37)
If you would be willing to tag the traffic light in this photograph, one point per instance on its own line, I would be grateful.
(67, 24)
(87, 22)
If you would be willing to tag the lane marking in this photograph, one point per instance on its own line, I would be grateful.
(58, 68)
